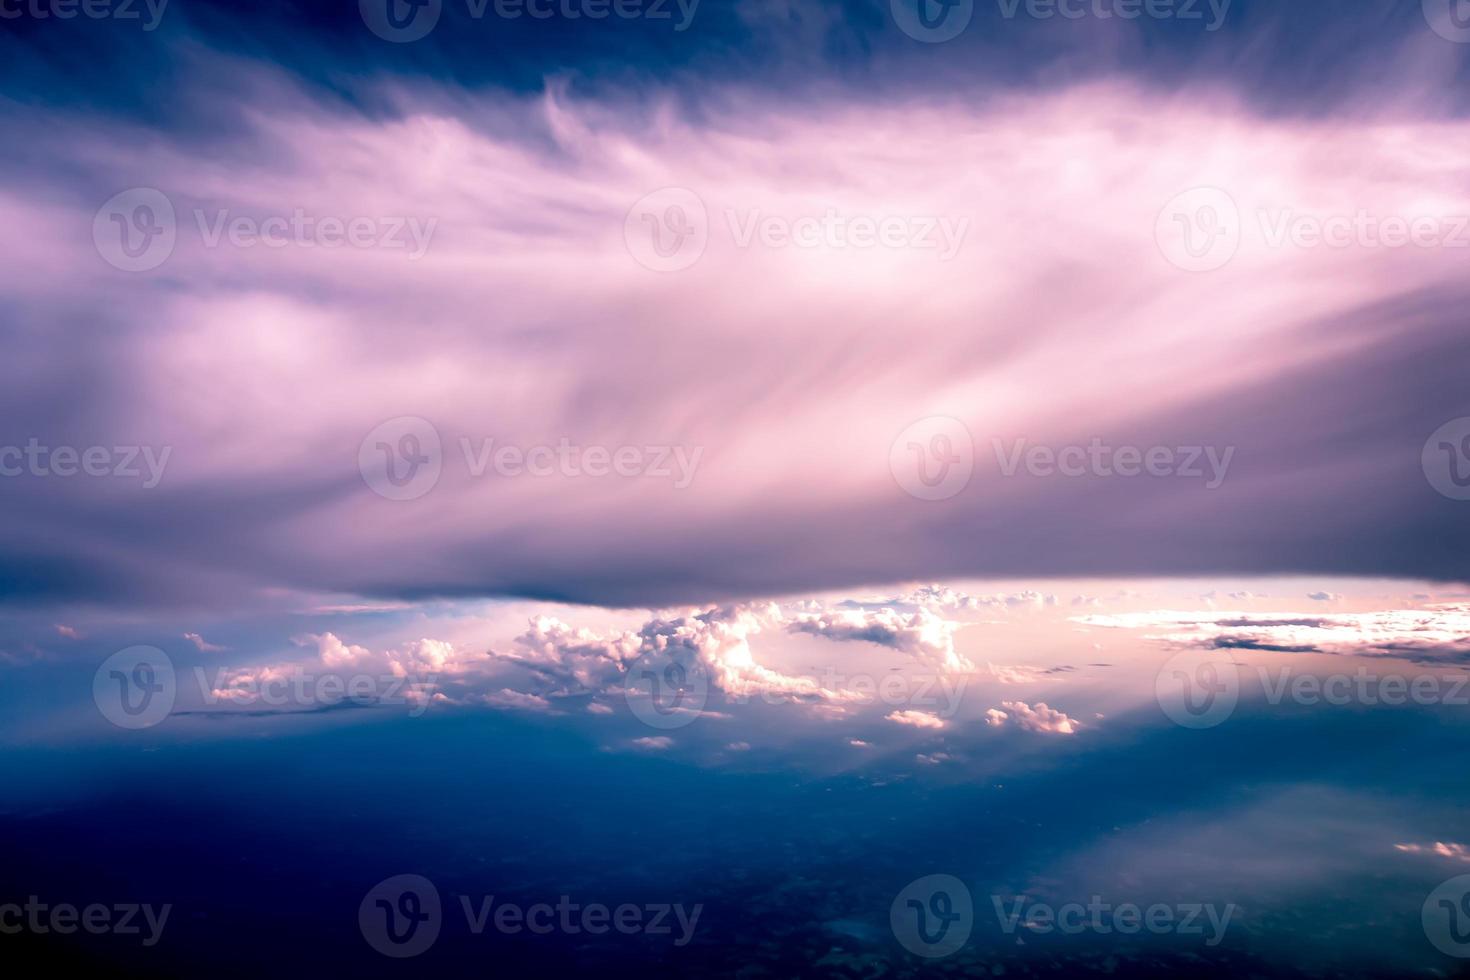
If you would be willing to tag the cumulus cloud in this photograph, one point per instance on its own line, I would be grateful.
(653, 743)
(202, 645)
(916, 719)
(1039, 718)
(920, 633)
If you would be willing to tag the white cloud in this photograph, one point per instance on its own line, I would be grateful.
(654, 743)
(202, 645)
(1039, 718)
(1455, 852)
(916, 719)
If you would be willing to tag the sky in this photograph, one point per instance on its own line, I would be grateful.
(843, 410)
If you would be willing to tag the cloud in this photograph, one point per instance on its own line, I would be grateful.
(1438, 632)
(1032, 719)
(67, 631)
(916, 719)
(796, 490)
(653, 743)
(1324, 596)
(506, 698)
(202, 645)
(920, 633)
(1455, 852)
